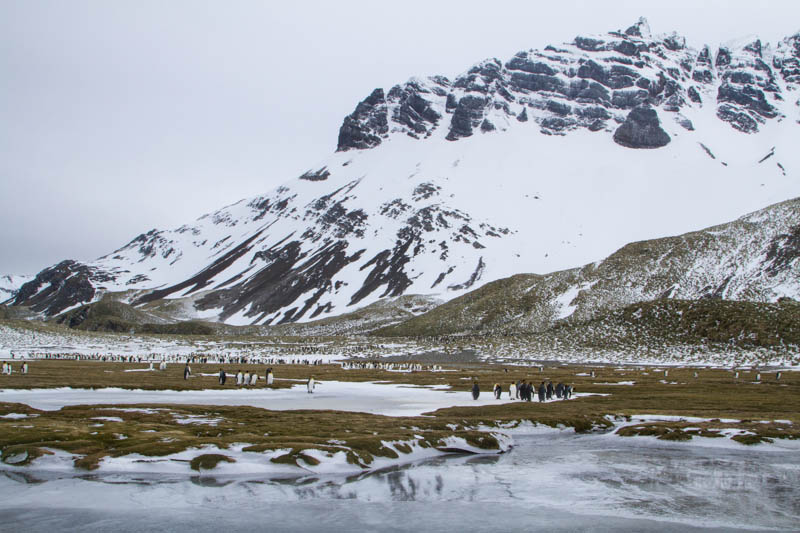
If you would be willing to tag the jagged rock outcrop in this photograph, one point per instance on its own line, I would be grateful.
(59, 287)
(367, 125)
(641, 129)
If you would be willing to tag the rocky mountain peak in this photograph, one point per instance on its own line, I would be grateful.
(590, 83)
(640, 29)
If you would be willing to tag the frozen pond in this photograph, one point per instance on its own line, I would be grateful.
(555, 481)
(365, 397)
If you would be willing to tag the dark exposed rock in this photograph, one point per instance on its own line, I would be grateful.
(675, 42)
(723, 58)
(487, 126)
(702, 76)
(754, 48)
(413, 111)
(61, 286)
(789, 65)
(451, 103)
(388, 269)
(627, 48)
(640, 29)
(628, 99)
(684, 122)
(746, 96)
(523, 63)
(343, 222)
(555, 124)
(694, 96)
(738, 76)
(474, 277)
(441, 276)
(523, 117)
(770, 154)
(706, 150)
(526, 81)
(584, 91)
(365, 127)
(480, 77)
(593, 112)
(738, 119)
(597, 125)
(783, 252)
(423, 191)
(559, 108)
(588, 44)
(468, 114)
(641, 129)
(674, 103)
(316, 175)
(704, 57)
(617, 77)
(395, 208)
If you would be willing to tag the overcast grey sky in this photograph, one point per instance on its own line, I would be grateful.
(117, 117)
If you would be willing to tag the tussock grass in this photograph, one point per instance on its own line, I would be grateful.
(209, 461)
(714, 394)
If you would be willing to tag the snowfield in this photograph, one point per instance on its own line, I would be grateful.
(380, 399)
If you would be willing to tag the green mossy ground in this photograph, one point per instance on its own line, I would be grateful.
(714, 394)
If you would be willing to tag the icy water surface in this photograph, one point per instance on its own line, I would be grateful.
(560, 482)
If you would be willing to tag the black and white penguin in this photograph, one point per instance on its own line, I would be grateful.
(310, 385)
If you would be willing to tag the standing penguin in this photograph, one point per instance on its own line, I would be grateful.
(476, 391)
(512, 391)
(187, 371)
(239, 378)
(270, 377)
(25, 369)
(222, 377)
(542, 391)
(247, 379)
(497, 391)
(310, 385)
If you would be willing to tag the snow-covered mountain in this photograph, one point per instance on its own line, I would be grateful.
(549, 160)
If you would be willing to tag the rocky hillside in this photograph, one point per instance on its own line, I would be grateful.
(544, 161)
(114, 316)
(755, 258)
(652, 325)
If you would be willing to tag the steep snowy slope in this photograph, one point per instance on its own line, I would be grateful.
(550, 160)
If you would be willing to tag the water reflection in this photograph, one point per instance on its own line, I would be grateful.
(592, 475)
